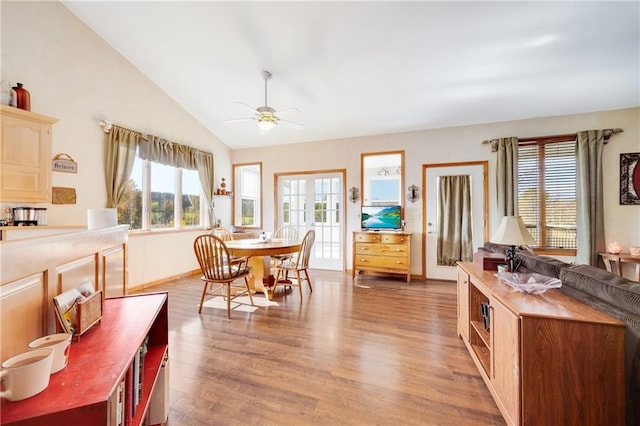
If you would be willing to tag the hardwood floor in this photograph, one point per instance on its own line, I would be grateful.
(378, 352)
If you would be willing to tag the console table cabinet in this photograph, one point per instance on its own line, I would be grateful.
(546, 359)
(388, 252)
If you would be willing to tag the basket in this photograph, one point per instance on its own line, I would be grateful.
(88, 312)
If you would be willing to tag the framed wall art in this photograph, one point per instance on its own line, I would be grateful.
(630, 178)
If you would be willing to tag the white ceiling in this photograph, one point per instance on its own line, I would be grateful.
(363, 68)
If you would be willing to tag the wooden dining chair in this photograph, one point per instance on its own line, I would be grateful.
(296, 266)
(288, 233)
(223, 233)
(220, 270)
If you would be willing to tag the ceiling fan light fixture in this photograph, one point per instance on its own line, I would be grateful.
(266, 124)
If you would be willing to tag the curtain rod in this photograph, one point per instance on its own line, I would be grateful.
(106, 126)
(607, 135)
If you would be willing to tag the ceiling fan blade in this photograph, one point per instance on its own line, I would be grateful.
(237, 120)
(291, 124)
(290, 108)
(246, 105)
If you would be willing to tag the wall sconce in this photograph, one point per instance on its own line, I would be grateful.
(354, 194)
(413, 193)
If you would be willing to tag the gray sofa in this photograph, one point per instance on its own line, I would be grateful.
(605, 291)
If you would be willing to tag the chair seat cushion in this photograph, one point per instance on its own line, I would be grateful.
(236, 271)
(287, 264)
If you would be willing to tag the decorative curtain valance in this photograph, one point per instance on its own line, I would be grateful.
(169, 153)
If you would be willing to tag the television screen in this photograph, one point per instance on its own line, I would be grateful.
(381, 217)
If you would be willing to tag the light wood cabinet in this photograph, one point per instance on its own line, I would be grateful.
(388, 252)
(25, 156)
(546, 359)
(108, 379)
(35, 270)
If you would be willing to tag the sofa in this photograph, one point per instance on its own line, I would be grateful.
(616, 296)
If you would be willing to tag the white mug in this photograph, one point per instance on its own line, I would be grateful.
(26, 374)
(61, 345)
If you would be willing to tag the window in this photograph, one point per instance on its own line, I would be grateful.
(170, 197)
(547, 192)
(248, 195)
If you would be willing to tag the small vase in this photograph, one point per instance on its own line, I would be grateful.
(23, 98)
(223, 186)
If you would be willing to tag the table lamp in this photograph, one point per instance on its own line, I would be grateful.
(512, 232)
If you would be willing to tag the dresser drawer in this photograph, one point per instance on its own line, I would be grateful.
(395, 250)
(382, 262)
(366, 237)
(394, 239)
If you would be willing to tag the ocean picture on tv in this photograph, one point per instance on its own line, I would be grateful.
(381, 217)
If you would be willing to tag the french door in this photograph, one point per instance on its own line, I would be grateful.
(315, 201)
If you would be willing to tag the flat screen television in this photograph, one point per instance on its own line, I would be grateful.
(381, 217)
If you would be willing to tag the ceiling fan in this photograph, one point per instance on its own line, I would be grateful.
(265, 116)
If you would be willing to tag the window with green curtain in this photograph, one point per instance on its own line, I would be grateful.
(547, 192)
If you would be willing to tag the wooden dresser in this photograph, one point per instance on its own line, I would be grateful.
(546, 359)
(388, 252)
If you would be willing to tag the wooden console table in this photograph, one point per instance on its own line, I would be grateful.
(618, 259)
(547, 359)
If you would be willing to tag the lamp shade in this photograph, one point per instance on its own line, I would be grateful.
(512, 232)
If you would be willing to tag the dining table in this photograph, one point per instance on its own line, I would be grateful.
(259, 252)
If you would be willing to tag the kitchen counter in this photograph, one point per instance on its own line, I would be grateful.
(11, 233)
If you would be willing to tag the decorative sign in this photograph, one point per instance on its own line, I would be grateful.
(64, 163)
(63, 195)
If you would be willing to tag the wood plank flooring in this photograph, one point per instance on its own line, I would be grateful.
(370, 352)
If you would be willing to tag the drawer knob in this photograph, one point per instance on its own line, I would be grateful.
(363, 260)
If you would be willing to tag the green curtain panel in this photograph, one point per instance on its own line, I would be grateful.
(589, 194)
(507, 175)
(121, 154)
(455, 241)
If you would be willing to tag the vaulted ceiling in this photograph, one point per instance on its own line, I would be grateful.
(362, 68)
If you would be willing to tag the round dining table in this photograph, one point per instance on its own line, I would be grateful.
(259, 252)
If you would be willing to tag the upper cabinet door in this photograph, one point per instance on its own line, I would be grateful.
(25, 156)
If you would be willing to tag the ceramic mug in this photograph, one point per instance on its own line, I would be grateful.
(61, 345)
(26, 374)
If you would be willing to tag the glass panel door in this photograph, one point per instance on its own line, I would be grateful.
(314, 201)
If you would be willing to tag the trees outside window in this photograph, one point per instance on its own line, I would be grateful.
(247, 207)
(547, 192)
(161, 197)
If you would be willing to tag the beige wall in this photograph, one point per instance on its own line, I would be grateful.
(75, 76)
(457, 144)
